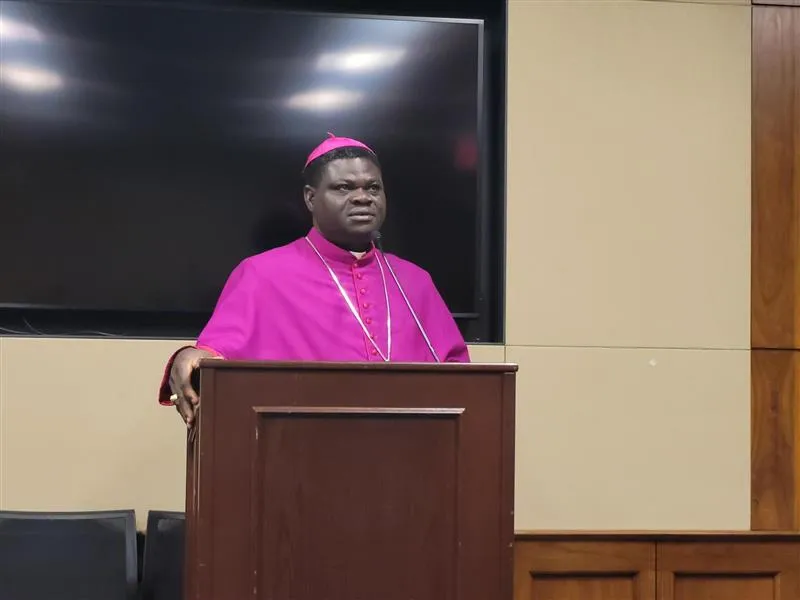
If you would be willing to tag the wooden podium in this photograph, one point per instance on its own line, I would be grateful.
(320, 481)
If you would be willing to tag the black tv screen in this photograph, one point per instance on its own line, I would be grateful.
(146, 149)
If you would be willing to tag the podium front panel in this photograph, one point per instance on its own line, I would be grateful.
(351, 484)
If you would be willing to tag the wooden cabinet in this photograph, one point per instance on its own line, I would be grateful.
(584, 570)
(657, 566)
(734, 570)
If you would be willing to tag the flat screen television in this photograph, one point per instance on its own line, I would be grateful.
(146, 149)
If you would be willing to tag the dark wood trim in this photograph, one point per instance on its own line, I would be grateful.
(212, 364)
(713, 537)
(776, 2)
(507, 474)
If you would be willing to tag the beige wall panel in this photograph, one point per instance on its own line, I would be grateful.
(487, 353)
(594, 2)
(81, 428)
(632, 439)
(732, 2)
(628, 174)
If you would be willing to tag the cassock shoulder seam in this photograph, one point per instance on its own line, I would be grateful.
(265, 265)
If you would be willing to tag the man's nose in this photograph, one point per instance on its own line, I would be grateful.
(360, 196)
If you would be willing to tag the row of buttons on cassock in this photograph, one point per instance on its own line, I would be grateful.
(365, 305)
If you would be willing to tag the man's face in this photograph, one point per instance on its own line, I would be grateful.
(349, 202)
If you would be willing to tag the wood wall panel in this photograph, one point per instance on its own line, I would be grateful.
(775, 299)
(775, 279)
(775, 440)
(657, 566)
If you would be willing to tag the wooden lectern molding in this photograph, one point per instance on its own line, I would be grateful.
(217, 364)
(351, 410)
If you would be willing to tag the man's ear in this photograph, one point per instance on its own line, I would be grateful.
(308, 196)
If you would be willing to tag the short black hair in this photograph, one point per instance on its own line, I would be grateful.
(313, 172)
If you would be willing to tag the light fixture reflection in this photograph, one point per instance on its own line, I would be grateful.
(25, 78)
(17, 31)
(359, 60)
(324, 100)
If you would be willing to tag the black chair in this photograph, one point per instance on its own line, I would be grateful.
(68, 555)
(162, 571)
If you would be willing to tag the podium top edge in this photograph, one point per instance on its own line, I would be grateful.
(216, 363)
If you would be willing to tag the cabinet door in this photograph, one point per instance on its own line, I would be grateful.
(728, 571)
(564, 570)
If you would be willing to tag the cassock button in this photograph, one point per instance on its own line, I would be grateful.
(369, 321)
(366, 305)
(363, 291)
(374, 352)
(359, 275)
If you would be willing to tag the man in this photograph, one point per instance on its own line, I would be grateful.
(330, 296)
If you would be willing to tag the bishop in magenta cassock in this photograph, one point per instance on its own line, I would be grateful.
(329, 296)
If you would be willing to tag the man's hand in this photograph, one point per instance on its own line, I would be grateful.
(180, 382)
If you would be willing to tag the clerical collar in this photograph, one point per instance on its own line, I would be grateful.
(332, 252)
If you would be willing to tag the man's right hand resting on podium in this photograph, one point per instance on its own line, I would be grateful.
(180, 381)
